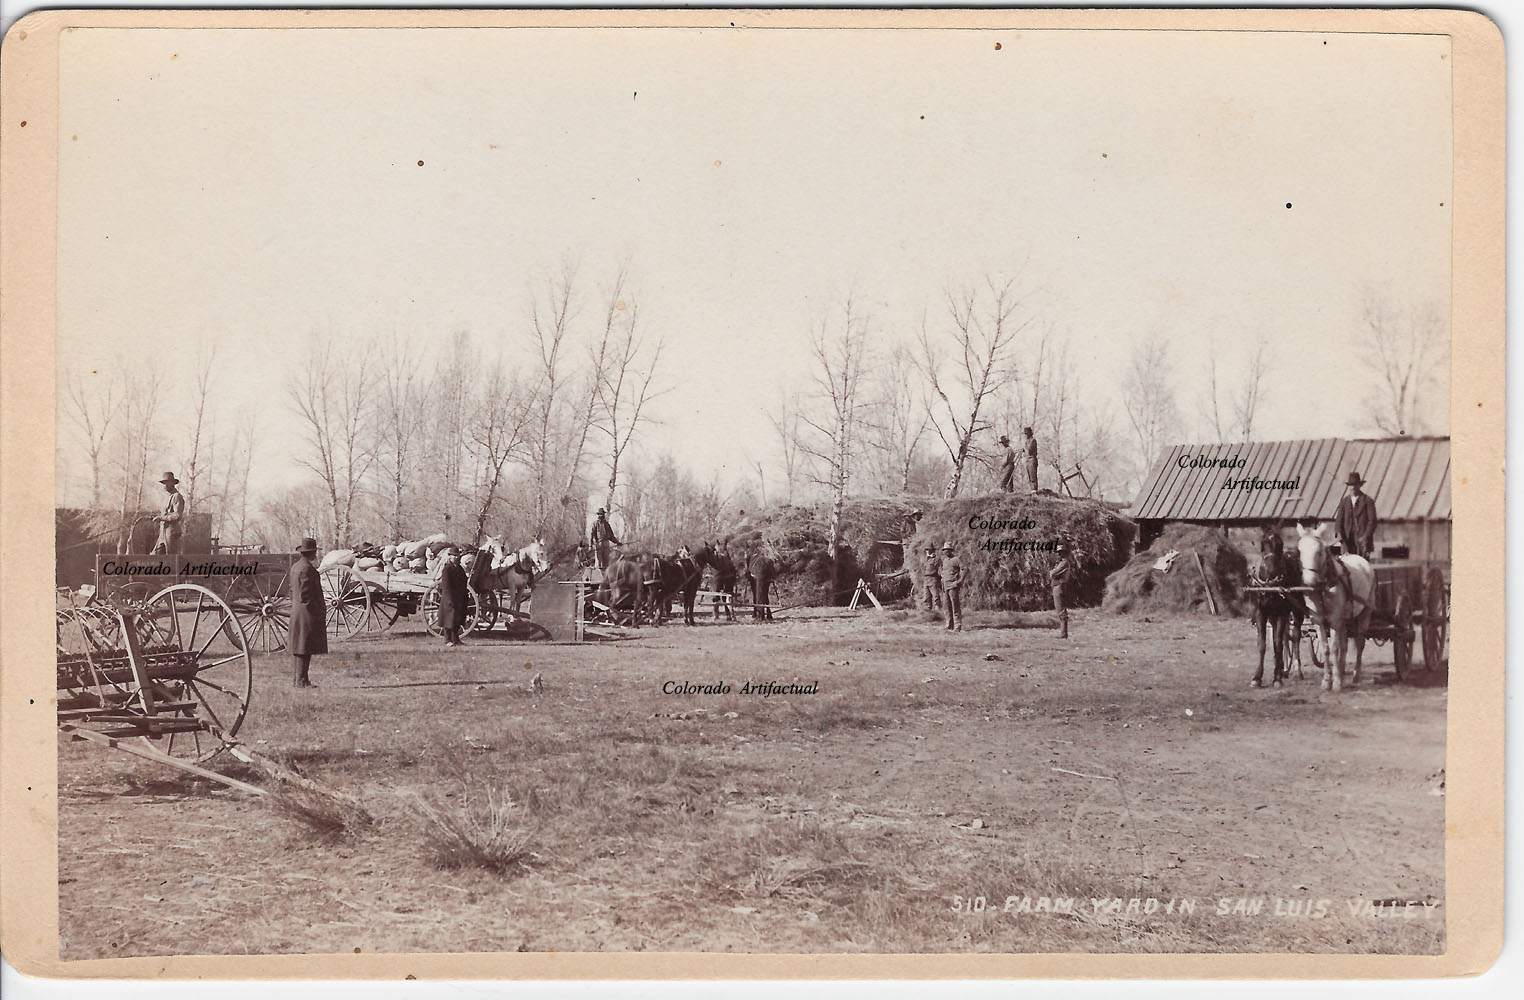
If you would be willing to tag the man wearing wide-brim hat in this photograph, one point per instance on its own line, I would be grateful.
(952, 587)
(931, 578)
(308, 634)
(1007, 466)
(1356, 520)
(603, 540)
(172, 521)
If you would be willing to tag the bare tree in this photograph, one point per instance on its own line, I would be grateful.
(202, 436)
(550, 315)
(1250, 385)
(142, 391)
(499, 432)
(1404, 349)
(786, 424)
(93, 403)
(901, 420)
(985, 328)
(1148, 396)
(1209, 404)
(623, 371)
(399, 414)
(839, 350)
(328, 395)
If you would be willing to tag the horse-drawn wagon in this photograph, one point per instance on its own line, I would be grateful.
(371, 600)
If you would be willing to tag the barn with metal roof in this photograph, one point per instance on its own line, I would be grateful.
(1262, 482)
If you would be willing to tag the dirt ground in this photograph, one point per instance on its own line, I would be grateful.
(1124, 790)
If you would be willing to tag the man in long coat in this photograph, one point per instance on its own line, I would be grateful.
(452, 597)
(1007, 467)
(1356, 520)
(172, 521)
(308, 634)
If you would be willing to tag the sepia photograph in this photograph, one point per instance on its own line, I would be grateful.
(750, 486)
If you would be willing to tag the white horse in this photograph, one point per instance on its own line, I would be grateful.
(511, 571)
(1341, 597)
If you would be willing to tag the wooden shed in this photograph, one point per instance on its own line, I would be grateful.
(1256, 483)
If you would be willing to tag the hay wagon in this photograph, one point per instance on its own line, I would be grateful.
(371, 600)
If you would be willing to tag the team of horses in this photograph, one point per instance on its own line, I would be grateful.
(641, 586)
(1335, 590)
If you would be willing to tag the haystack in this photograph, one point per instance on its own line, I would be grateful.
(797, 539)
(1138, 586)
(1005, 543)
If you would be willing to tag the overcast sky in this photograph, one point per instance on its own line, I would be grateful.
(251, 186)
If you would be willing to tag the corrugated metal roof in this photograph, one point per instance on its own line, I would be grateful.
(1409, 478)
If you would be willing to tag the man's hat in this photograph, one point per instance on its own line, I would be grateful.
(169, 477)
(931, 548)
(915, 513)
(602, 511)
(1004, 439)
(947, 546)
(1354, 480)
(1026, 430)
(307, 545)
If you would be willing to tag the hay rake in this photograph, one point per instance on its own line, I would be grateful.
(168, 678)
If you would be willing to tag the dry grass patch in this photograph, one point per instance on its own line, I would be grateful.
(328, 817)
(480, 830)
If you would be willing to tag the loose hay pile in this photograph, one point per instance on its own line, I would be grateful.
(1139, 587)
(1005, 544)
(797, 539)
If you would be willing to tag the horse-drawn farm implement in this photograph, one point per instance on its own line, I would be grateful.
(168, 679)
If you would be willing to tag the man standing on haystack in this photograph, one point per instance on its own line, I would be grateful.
(603, 539)
(1007, 467)
(952, 582)
(931, 578)
(1031, 450)
(172, 521)
(1355, 520)
(308, 633)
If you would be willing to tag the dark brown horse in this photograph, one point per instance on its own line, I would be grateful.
(760, 571)
(720, 575)
(624, 588)
(1280, 614)
(680, 576)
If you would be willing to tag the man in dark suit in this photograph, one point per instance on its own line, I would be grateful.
(1355, 520)
(308, 634)
(452, 596)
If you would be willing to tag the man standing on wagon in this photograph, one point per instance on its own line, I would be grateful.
(1355, 520)
(603, 539)
(172, 521)
(308, 634)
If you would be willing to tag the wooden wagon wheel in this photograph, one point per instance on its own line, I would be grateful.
(1402, 634)
(263, 607)
(196, 659)
(430, 606)
(1436, 619)
(385, 608)
(1314, 643)
(485, 612)
(348, 601)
